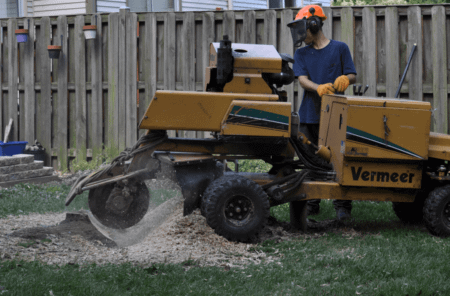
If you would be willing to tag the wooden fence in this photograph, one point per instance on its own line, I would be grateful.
(93, 96)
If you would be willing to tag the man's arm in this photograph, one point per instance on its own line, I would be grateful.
(307, 84)
(311, 86)
(351, 78)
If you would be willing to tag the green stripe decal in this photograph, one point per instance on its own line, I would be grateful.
(363, 134)
(255, 113)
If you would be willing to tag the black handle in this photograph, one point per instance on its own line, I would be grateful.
(365, 89)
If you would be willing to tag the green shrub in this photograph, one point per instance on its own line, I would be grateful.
(251, 166)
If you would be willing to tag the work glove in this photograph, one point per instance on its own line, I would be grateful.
(325, 89)
(341, 83)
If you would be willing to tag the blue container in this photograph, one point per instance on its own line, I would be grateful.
(21, 38)
(12, 148)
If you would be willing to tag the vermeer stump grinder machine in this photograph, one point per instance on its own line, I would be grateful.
(372, 149)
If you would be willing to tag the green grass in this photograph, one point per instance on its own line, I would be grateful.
(383, 257)
(30, 198)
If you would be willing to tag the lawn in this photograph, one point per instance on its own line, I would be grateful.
(374, 255)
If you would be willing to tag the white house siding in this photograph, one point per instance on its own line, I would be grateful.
(8, 8)
(29, 12)
(162, 5)
(110, 5)
(58, 7)
(197, 5)
(249, 4)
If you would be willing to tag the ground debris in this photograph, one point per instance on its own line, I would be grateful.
(179, 239)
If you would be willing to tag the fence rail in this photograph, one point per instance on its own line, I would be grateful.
(93, 96)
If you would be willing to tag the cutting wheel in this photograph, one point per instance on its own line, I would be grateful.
(119, 205)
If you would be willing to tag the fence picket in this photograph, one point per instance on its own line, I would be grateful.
(122, 83)
(150, 62)
(392, 53)
(131, 80)
(112, 136)
(96, 103)
(439, 52)
(29, 96)
(13, 73)
(80, 90)
(348, 33)
(270, 27)
(208, 36)
(21, 87)
(250, 26)
(415, 71)
(43, 102)
(188, 58)
(369, 58)
(229, 25)
(328, 23)
(62, 109)
(287, 46)
(169, 55)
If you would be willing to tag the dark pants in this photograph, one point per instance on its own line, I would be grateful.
(311, 131)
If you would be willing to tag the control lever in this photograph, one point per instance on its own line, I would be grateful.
(365, 89)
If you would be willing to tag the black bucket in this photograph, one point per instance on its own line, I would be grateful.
(53, 53)
(38, 154)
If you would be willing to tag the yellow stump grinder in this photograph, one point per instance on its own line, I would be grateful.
(376, 149)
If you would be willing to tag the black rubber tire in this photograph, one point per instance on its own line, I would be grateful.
(136, 211)
(218, 201)
(411, 212)
(436, 211)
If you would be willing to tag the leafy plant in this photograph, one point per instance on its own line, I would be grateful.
(251, 166)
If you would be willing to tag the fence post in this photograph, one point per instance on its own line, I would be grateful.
(169, 55)
(44, 107)
(229, 25)
(250, 27)
(150, 61)
(369, 52)
(287, 46)
(96, 107)
(131, 79)
(121, 84)
(415, 37)
(439, 52)
(30, 95)
(348, 33)
(80, 89)
(392, 54)
(13, 74)
(62, 102)
(112, 135)
(188, 58)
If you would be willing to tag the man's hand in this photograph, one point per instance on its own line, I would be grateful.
(325, 89)
(341, 83)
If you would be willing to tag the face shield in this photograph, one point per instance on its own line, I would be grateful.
(298, 31)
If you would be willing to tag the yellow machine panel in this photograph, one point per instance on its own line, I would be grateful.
(389, 133)
(439, 146)
(361, 132)
(265, 119)
(381, 174)
(199, 111)
(263, 58)
(247, 83)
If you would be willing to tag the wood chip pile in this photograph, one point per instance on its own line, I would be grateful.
(177, 240)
